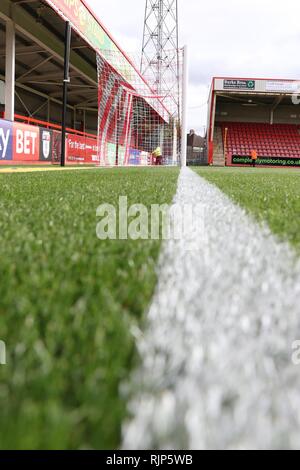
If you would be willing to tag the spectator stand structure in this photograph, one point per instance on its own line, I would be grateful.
(32, 48)
(254, 114)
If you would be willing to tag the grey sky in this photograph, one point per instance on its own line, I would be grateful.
(255, 38)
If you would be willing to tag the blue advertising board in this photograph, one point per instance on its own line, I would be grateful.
(134, 157)
(6, 140)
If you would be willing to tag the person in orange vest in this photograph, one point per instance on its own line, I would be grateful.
(254, 157)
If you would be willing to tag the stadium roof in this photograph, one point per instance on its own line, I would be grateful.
(91, 29)
(40, 51)
(267, 86)
(253, 92)
(254, 99)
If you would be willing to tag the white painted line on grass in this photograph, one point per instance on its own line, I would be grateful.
(216, 356)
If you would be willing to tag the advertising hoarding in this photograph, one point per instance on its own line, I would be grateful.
(284, 87)
(19, 142)
(266, 161)
(6, 140)
(239, 84)
(81, 149)
(46, 144)
(89, 28)
(22, 143)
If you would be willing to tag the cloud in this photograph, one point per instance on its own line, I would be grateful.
(257, 38)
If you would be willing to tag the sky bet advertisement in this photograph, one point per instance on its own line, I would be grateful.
(21, 143)
(6, 140)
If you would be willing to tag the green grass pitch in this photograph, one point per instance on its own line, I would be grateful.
(67, 304)
(272, 195)
(68, 301)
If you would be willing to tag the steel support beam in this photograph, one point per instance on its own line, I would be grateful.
(27, 24)
(10, 68)
(68, 36)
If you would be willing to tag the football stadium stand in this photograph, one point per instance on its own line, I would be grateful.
(254, 114)
(32, 59)
(277, 140)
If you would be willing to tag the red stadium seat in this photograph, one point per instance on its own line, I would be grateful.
(277, 140)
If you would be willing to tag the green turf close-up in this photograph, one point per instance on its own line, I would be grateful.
(272, 195)
(68, 302)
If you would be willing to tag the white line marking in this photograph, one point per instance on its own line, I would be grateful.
(216, 368)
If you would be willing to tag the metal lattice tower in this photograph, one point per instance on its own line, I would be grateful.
(160, 52)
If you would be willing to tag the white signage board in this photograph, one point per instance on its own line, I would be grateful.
(284, 87)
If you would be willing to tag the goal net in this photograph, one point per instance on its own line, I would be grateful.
(138, 124)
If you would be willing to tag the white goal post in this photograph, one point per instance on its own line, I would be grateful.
(184, 130)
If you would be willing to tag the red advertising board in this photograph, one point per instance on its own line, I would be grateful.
(82, 149)
(26, 143)
(86, 24)
(22, 143)
(19, 142)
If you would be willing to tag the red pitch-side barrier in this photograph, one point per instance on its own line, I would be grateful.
(24, 143)
(33, 141)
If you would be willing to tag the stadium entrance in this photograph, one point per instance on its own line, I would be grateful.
(254, 115)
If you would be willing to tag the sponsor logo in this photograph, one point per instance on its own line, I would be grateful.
(266, 161)
(26, 143)
(6, 140)
(45, 145)
(239, 85)
(82, 149)
(285, 87)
